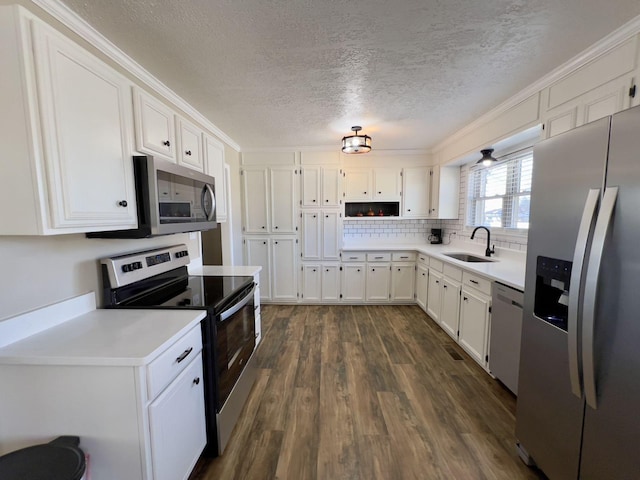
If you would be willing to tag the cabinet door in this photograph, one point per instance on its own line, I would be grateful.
(416, 192)
(357, 185)
(434, 296)
(255, 204)
(155, 126)
(331, 283)
(445, 188)
(283, 270)
(258, 252)
(214, 166)
(86, 111)
(331, 187)
(311, 186)
(474, 324)
(450, 312)
(386, 184)
(422, 286)
(403, 277)
(353, 282)
(331, 238)
(283, 199)
(311, 235)
(177, 425)
(190, 145)
(378, 276)
(311, 283)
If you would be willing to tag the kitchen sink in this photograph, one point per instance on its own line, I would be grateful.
(466, 257)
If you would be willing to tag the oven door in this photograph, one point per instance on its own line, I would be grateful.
(235, 342)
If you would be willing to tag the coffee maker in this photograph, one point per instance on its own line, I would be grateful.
(436, 236)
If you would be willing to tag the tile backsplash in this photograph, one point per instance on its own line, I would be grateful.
(419, 230)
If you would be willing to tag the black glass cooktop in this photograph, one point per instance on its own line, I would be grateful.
(205, 291)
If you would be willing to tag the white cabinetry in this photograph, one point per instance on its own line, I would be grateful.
(283, 269)
(190, 151)
(450, 307)
(283, 199)
(155, 126)
(354, 278)
(311, 282)
(378, 184)
(331, 282)
(255, 202)
(320, 234)
(445, 187)
(378, 280)
(214, 166)
(321, 186)
(139, 417)
(434, 297)
(416, 183)
(595, 90)
(475, 309)
(258, 252)
(422, 285)
(403, 277)
(67, 127)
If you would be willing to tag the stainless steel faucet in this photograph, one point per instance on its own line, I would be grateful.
(489, 250)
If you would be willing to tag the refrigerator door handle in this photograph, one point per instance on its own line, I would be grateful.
(586, 224)
(590, 293)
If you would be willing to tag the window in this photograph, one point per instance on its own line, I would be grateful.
(499, 195)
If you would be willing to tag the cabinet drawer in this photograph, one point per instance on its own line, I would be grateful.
(403, 256)
(477, 282)
(436, 264)
(354, 256)
(171, 362)
(453, 272)
(378, 257)
(423, 259)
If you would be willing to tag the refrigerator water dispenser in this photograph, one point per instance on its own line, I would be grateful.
(552, 291)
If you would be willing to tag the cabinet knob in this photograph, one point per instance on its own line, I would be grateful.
(408, 209)
(465, 299)
(326, 216)
(187, 152)
(365, 193)
(437, 281)
(444, 286)
(327, 270)
(327, 200)
(379, 193)
(275, 243)
(262, 227)
(166, 143)
(358, 270)
(398, 269)
(314, 216)
(123, 203)
(196, 381)
(373, 269)
(264, 243)
(276, 227)
(314, 201)
(314, 269)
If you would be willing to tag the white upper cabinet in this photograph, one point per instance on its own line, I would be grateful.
(283, 199)
(357, 184)
(416, 183)
(330, 188)
(189, 145)
(445, 188)
(311, 186)
(155, 126)
(386, 184)
(214, 166)
(66, 126)
(255, 204)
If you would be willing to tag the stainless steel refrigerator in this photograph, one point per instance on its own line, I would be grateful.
(578, 412)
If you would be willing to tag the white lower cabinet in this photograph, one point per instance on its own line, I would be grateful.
(378, 282)
(320, 282)
(434, 296)
(422, 285)
(450, 308)
(277, 257)
(353, 282)
(474, 324)
(177, 426)
(403, 279)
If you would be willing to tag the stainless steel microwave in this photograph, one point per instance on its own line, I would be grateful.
(170, 199)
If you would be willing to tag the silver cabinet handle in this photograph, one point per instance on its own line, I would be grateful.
(586, 224)
(591, 291)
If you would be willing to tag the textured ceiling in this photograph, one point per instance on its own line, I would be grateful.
(293, 73)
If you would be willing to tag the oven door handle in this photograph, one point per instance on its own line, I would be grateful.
(227, 313)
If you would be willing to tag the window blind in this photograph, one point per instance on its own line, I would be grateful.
(499, 195)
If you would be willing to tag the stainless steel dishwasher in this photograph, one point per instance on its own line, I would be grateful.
(506, 331)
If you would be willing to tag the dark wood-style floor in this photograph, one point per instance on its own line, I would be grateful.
(367, 392)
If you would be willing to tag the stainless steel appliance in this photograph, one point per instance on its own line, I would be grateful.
(158, 279)
(506, 333)
(579, 386)
(171, 199)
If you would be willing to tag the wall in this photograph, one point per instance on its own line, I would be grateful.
(416, 231)
(38, 271)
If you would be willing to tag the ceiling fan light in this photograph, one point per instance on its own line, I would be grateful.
(356, 143)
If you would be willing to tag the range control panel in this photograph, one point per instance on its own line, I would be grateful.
(129, 268)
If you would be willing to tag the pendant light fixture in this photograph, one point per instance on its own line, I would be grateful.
(356, 143)
(487, 159)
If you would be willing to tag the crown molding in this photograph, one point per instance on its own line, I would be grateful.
(602, 46)
(78, 25)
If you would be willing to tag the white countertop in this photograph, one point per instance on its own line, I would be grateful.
(104, 337)
(224, 270)
(508, 266)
